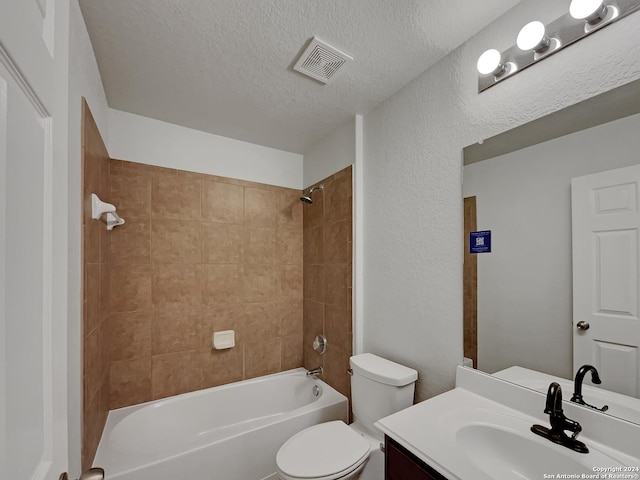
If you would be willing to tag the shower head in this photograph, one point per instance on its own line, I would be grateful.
(307, 198)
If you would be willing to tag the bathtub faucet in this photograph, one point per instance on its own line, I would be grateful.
(315, 372)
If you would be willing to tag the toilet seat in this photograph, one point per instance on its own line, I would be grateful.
(327, 451)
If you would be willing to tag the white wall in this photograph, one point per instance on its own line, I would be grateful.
(331, 154)
(525, 284)
(84, 81)
(412, 179)
(153, 142)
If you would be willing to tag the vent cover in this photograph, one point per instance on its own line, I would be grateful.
(321, 61)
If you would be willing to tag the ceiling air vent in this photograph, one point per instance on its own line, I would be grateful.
(321, 61)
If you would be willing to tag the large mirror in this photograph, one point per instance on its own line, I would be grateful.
(519, 297)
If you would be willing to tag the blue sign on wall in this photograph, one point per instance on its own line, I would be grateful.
(480, 242)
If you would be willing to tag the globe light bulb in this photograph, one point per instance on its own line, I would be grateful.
(587, 9)
(490, 62)
(532, 37)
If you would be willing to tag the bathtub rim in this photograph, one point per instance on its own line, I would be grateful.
(330, 397)
(124, 411)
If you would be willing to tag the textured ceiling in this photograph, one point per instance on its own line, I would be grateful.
(225, 66)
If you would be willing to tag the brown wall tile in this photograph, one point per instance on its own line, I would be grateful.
(313, 325)
(95, 285)
(175, 241)
(260, 207)
(336, 365)
(337, 326)
(129, 244)
(337, 200)
(313, 213)
(222, 202)
(289, 244)
(130, 335)
(219, 254)
(221, 367)
(105, 288)
(91, 310)
(222, 243)
(175, 285)
(222, 284)
(291, 282)
(175, 197)
(131, 193)
(291, 315)
(130, 382)
(260, 245)
(328, 278)
(337, 242)
(261, 283)
(261, 322)
(314, 245)
(289, 209)
(337, 279)
(314, 282)
(176, 330)
(130, 287)
(262, 358)
(291, 352)
(91, 242)
(91, 363)
(175, 373)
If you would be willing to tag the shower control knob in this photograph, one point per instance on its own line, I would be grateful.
(582, 325)
(320, 344)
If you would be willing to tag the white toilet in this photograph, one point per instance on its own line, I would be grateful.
(335, 450)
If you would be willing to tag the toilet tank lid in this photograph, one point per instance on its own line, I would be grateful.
(382, 370)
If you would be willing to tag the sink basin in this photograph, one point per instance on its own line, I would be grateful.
(505, 454)
(503, 447)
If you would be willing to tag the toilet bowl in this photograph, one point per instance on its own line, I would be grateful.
(328, 451)
(337, 451)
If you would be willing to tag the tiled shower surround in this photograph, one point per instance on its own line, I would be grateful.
(198, 254)
(328, 278)
(95, 307)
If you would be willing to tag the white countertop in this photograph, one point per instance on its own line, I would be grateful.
(430, 431)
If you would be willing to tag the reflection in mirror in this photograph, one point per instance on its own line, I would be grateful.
(519, 304)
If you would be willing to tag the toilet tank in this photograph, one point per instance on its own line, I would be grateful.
(379, 387)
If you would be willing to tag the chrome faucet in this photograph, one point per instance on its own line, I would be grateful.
(559, 423)
(315, 372)
(577, 386)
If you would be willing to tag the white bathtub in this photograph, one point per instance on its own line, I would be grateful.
(231, 432)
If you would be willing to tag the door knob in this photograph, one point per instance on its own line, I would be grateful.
(91, 474)
(582, 325)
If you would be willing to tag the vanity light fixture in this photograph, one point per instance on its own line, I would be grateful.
(490, 63)
(589, 10)
(537, 41)
(533, 36)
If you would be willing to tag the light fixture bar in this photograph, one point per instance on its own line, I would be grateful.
(562, 32)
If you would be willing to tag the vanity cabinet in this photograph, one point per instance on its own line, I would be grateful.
(400, 464)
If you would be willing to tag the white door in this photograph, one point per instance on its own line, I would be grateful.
(33, 417)
(606, 253)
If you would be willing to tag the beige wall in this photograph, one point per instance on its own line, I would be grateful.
(200, 253)
(327, 278)
(95, 331)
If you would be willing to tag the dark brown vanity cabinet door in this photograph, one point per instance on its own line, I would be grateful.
(400, 464)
